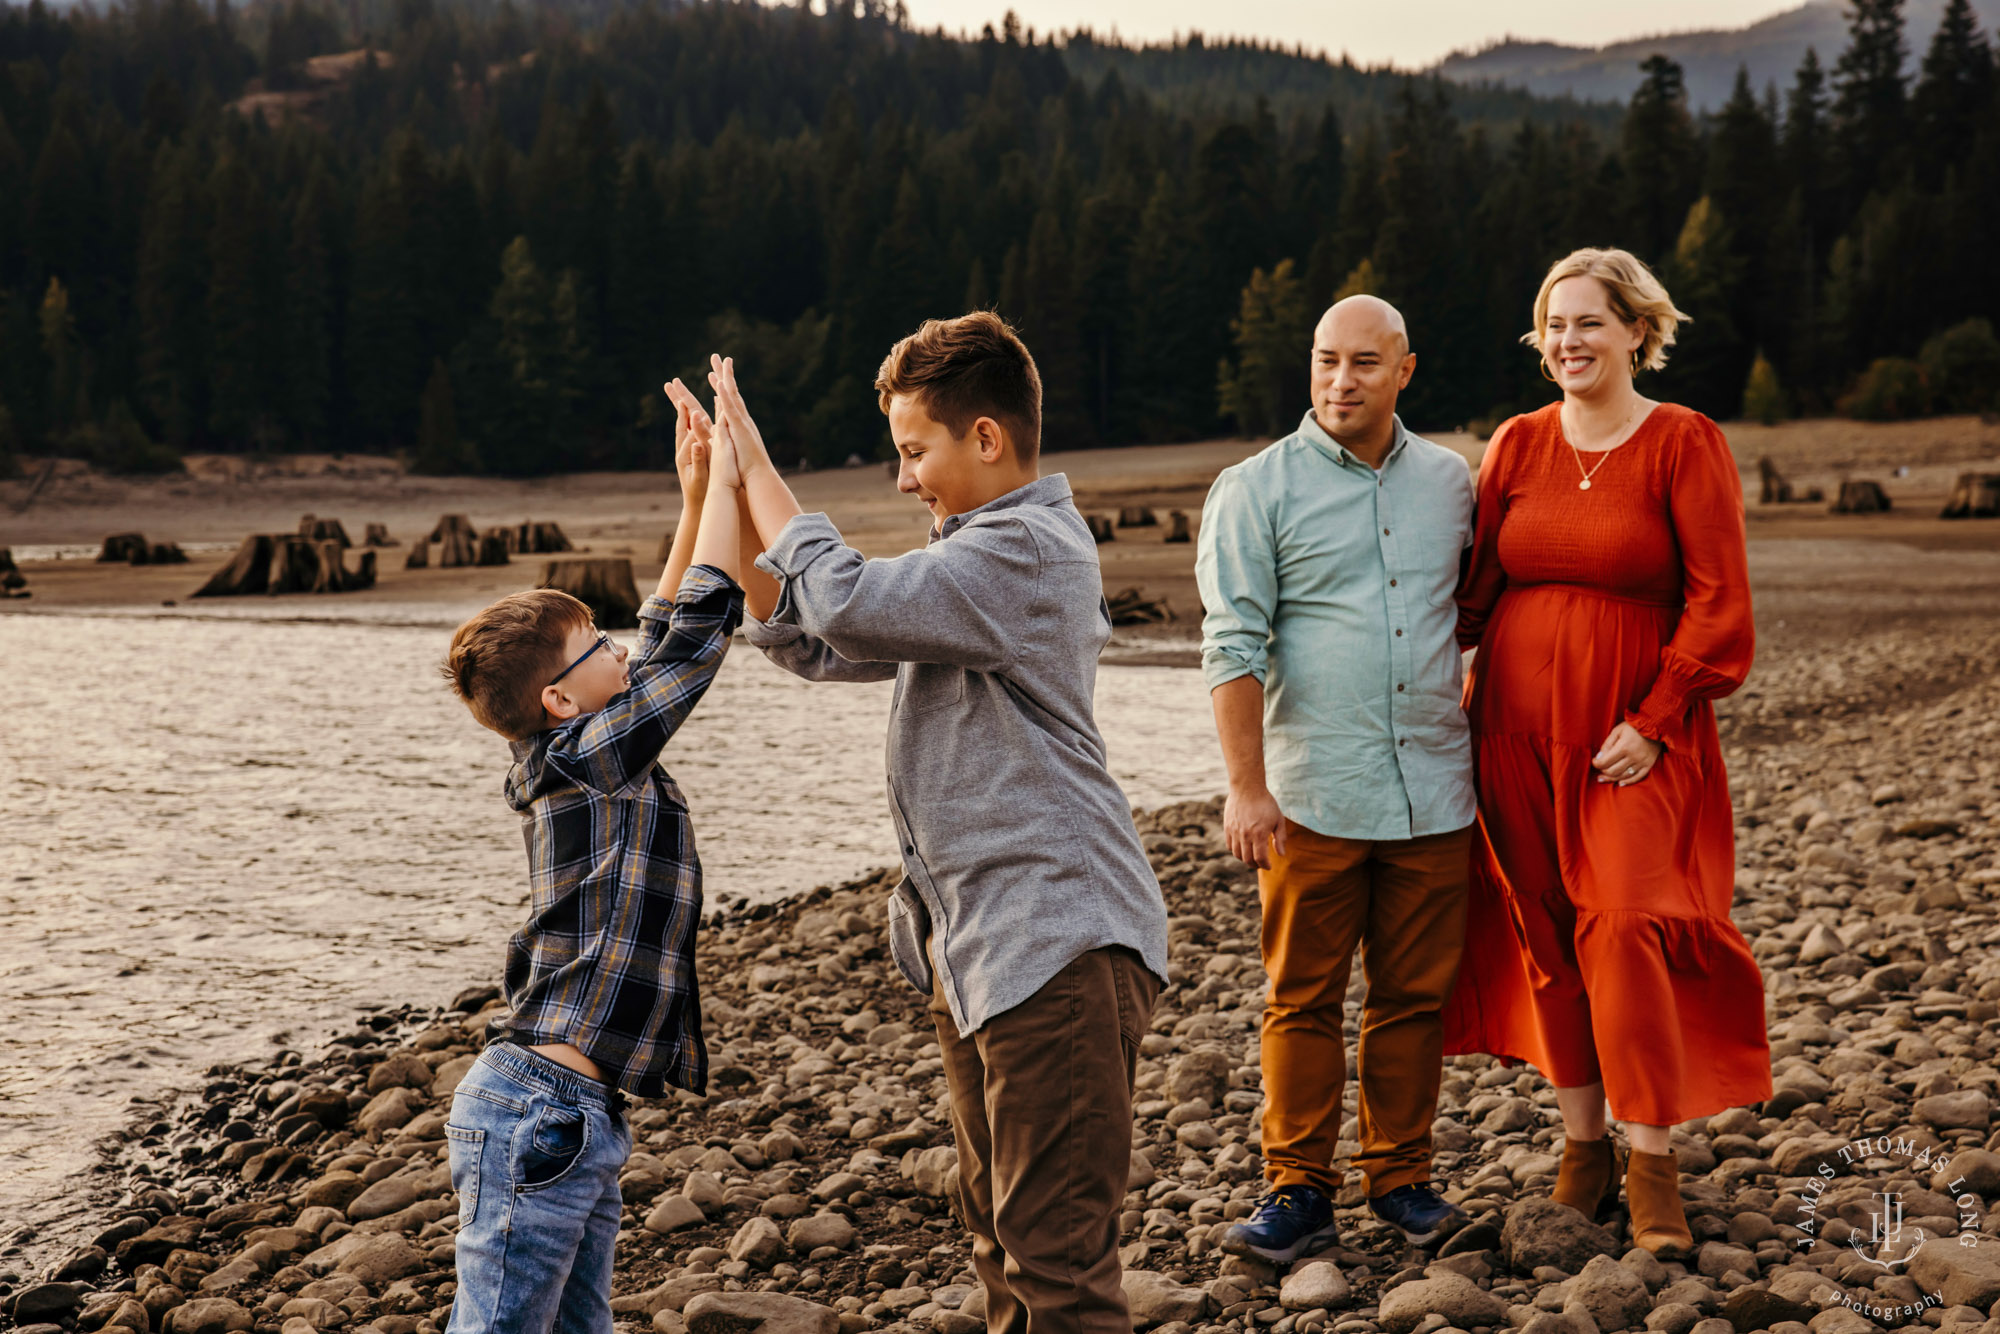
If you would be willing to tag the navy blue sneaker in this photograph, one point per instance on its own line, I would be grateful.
(1291, 1221)
(1419, 1212)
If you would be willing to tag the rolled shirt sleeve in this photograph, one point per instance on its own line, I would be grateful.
(1237, 572)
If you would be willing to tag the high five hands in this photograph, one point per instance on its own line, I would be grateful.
(733, 424)
(701, 450)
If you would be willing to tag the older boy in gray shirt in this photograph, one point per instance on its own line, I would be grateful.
(1028, 911)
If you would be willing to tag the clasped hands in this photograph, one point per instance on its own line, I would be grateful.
(727, 448)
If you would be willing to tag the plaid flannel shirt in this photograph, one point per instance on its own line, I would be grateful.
(606, 960)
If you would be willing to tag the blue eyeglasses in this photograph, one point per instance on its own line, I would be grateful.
(603, 641)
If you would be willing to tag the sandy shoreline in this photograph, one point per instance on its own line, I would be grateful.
(628, 514)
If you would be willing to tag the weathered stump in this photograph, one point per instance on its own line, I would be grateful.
(1130, 606)
(493, 548)
(457, 540)
(378, 536)
(604, 584)
(1177, 527)
(12, 581)
(121, 546)
(287, 563)
(1973, 496)
(1100, 528)
(1775, 490)
(1861, 498)
(541, 538)
(324, 530)
(419, 557)
(1137, 516)
(248, 571)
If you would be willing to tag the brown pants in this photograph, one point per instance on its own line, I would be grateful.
(1403, 903)
(1041, 1105)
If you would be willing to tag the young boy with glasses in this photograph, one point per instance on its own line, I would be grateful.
(600, 982)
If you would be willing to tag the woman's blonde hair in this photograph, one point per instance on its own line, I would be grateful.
(1637, 297)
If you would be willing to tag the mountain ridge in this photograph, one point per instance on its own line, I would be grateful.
(1770, 49)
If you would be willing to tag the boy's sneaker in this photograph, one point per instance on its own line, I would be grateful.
(1419, 1212)
(1291, 1221)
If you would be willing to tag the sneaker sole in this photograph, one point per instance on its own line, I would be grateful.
(1418, 1238)
(1318, 1241)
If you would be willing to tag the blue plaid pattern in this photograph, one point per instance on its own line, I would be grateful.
(606, 960)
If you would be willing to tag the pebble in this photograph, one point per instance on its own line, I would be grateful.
(817, 1176)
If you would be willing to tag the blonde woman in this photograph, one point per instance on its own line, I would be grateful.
(1610, 602)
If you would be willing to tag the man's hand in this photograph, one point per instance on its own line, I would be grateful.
(1253, 825)
(733, 417)
(1626, 756)
(692, 443)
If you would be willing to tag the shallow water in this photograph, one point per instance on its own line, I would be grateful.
(221, 832)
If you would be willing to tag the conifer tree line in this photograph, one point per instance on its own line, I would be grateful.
(494, 238)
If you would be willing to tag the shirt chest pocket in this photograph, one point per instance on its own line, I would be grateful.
(928, 687)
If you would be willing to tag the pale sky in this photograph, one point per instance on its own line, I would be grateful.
(1407, 33)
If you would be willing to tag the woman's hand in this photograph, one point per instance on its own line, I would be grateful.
(692, 443)
(1626, 756)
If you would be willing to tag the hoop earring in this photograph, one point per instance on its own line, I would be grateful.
(1543, 362)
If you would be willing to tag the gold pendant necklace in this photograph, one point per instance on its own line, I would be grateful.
(1603, 454)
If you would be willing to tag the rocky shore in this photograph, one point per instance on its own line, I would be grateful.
(808, 1191)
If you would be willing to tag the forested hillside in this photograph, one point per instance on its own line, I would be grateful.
(488, 238)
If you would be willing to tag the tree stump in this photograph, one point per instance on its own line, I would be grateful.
(1100, 528)
(419, 557)
(1974, 495)
(1177, 527)
(1861, 498)
(120, 546)
(1137, 516)
(1130, 606)
(493, 547)
(163, 553)
(378, 536)
(1776, 490)
(604, 584)
(287, 563)
(248, 570)
(12, 582)
(324, 530)
(544, 538)
(457, 541)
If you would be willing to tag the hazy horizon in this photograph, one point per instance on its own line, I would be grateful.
(1414, 34)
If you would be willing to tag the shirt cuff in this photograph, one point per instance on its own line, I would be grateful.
(1658, 717)
(700, 581)
(1219, 666)
(765, 634)
(789, 555)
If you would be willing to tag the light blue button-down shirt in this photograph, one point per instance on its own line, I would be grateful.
(1331, 582)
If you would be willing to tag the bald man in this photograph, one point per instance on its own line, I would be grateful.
(1327, 566)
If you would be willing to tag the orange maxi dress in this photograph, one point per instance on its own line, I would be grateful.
(1598, 941)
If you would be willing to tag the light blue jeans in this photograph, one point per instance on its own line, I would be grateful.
(535, 1154)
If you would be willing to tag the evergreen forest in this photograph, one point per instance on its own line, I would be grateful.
(485, 234)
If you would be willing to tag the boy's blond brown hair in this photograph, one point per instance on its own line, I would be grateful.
(964, 369)
(501, 658)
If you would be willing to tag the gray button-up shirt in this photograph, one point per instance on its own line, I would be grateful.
(1018, 845)
(1331, 582)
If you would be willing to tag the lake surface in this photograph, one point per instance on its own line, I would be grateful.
(228, 830)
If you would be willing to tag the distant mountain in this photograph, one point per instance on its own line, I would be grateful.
(1771, 50)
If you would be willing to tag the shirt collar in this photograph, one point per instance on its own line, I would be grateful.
(1316, 436)
(1048, 491)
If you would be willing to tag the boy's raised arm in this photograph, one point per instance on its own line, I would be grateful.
(692, 446)
(771, 502)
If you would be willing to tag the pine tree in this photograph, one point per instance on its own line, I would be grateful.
(1763, 397)
(1954, 90)
(1263, 387)
(171, 297)
(1870, 120)
(440, 450)
(1163, 401)
(63, 216)
(245, 329)
(308, 313)
(69, 392)
(1660, 158)
(1049, 327)
(1709, 363)
(385, 343)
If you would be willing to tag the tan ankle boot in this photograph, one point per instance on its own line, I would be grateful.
(1653, 1194)
(1588, 1175)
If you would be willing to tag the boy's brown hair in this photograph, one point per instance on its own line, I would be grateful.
(964, 369)
(501, 658)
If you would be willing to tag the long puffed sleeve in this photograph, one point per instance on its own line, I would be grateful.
(1711, 651)
(1485, 580)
